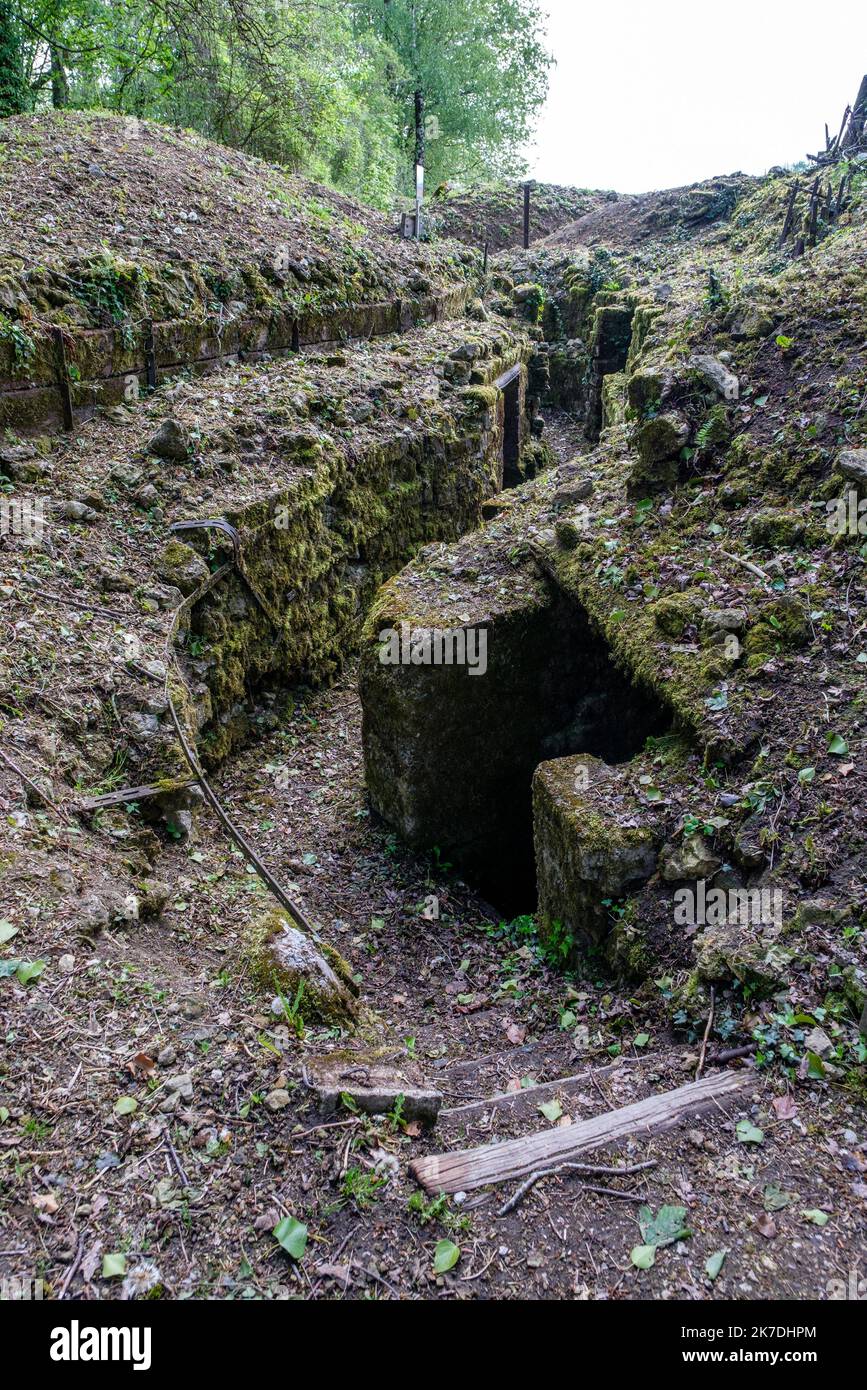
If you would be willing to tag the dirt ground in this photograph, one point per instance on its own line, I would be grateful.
(224, 1141)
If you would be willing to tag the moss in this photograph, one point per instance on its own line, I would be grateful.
(674, 613)
(777, 529)
(783, 625)
(279, 956)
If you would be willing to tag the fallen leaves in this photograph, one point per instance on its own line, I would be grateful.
(292, 1236)
(446, 1256)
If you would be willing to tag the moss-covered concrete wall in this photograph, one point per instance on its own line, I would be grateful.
(318, 549)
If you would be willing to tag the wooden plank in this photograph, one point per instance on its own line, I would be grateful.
(515, 1158)
(95, 803)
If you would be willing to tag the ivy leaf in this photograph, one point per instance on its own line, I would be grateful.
(113, 1266)
(292, 1235)
(7, 931)
(815, 1066)
(818, 1217)
(714, 1264)
(125, 1105)
(552, 1110)
(664, 1228)
(643, 1256)
(641, 1040)
(806, 774)
(30, 970)
(837, 745)
(446, 1256)
(748, 1133)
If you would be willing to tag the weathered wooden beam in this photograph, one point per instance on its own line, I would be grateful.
(516, 1158)
(95, 803)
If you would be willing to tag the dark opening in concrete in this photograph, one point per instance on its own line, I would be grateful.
(450, 757)
(510, 386)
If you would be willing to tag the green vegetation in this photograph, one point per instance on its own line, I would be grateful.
(347, 93)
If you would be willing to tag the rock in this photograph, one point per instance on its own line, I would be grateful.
(852, 463)
(724, 619)
(182, 567)
(75, 511)
(155, 895)
(181, 1084)
(303, 969)
(751, 321)
(146, 497)
(663, 437)
(66, 964)
(277, 1099)
(166, 1055)
(22, 463)
(717, 376)
(171, 441)
(374, 1080)
(693, 859)
(817, 1041)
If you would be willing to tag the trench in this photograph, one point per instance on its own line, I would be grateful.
(552, 690)
(450, 759)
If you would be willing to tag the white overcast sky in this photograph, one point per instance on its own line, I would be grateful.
(656, 93)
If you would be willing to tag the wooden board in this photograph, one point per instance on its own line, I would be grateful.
(516, 1158)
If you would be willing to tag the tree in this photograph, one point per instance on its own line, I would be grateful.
(13, 88)
(467, 79)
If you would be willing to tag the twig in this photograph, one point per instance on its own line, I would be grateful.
(703, 1054)
(33, 787)
(176, 1162)
(589, 1169)
(718, 1059)
(748, 564)
(70, 1273)
(77, 603)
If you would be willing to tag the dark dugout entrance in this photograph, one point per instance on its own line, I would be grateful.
(509, 384)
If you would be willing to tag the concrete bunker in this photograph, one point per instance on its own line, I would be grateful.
(451, 750)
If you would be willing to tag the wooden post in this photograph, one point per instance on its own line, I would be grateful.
(857, 118)
(485, 259)
(62, 371)
(527, 187)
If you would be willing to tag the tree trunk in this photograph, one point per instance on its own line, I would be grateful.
(59, 83)
(419, 127)
(858, 117)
